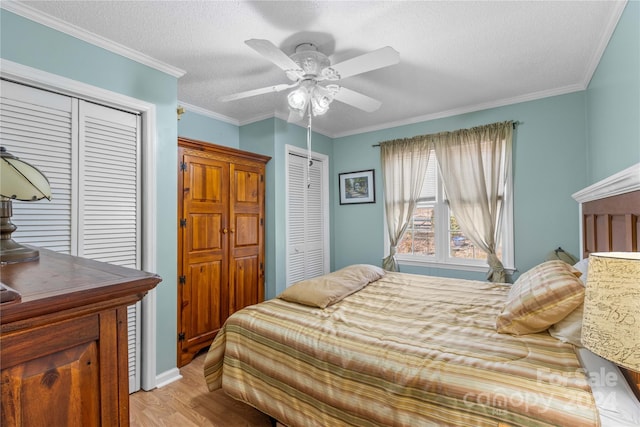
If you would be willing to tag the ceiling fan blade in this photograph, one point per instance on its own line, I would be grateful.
(272, 53)
(357, 100)
(254, 92)
(379, 58)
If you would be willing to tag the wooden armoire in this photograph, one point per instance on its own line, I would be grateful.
(221, 203)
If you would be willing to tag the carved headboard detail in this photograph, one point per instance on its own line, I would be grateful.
(611, 224)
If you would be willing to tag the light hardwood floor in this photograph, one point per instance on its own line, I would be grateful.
(188, 403)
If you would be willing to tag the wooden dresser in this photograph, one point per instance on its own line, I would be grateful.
(63, 344)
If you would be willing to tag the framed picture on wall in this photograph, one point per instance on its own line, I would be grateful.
(357, 187)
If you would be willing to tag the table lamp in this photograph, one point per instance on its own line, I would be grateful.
(18, 181)
(611, 321)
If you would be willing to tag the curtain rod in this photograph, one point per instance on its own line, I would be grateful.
(514, 126)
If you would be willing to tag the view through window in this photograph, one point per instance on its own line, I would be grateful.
(432, 240)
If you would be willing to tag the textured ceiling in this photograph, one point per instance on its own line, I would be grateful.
(455, 57)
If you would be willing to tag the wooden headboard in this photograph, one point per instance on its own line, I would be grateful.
(611, 224)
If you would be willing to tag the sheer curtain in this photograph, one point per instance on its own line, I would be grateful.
(404, 164)
(475, 165)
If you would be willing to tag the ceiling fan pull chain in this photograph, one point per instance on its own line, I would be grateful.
(309, 161)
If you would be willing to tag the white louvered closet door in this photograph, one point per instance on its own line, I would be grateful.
(39, 127)
(90, 154)
(109, 185)
(109, 200)
(306, 252)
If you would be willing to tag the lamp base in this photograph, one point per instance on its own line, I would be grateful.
(12, 252)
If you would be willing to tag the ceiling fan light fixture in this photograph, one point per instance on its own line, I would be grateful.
(321, 98)
(298, 98)
(319, 106)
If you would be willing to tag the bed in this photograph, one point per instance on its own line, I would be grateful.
(395, 349)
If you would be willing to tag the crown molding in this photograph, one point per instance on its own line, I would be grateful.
(622, 182)
(604, 41)
(467, 109)
(258, 118)
(21, 9)
(208, 113)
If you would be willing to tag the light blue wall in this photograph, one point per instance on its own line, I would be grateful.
(548, 164)
(202, 128)
(34, 45)
(613, 101)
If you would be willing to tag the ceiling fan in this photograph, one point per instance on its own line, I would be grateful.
(314, 77)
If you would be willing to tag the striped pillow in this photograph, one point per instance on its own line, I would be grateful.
(541, 297)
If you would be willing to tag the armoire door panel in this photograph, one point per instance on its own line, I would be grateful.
(205, 232)
(245, 273)
(247, 185)
(247, 230)
(206, 183)
(203, 304)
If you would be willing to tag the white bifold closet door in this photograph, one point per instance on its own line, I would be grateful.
(90, 154)
(307, 231)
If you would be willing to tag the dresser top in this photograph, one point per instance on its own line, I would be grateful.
(59, 282)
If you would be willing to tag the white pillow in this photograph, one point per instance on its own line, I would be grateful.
(582, 266)
(569, 329)
(616, 402)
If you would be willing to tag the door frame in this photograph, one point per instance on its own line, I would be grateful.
(292, 149)
(44, 80)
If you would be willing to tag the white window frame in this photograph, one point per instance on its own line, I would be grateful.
(41, 79)
(442, 259)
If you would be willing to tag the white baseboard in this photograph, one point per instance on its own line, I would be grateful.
(167, 377)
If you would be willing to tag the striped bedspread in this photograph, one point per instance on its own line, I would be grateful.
(406, 350)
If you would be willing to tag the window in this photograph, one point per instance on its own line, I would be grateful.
(429, 241)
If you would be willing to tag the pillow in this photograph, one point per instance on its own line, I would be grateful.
(616, 402)
(569, 329)
(582, 266)
(326, 290)
(541, 297)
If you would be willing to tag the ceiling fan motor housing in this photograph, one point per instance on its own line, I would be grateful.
(310, 60)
